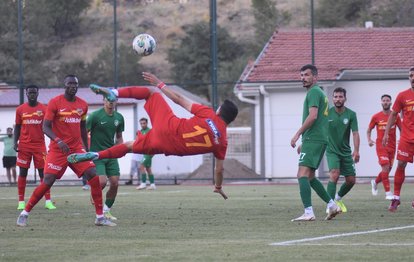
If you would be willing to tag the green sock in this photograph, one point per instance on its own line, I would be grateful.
(345, 188)
(151, 178)
(305, 191)
(320, 190)
(144, 178)
(109, 202)
(331, 189)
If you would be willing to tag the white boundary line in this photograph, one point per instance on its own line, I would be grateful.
(297, 241)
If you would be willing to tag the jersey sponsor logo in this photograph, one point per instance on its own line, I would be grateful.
(384, 158)
(215, 131)
(54, 167)
(345, 121)
(72, 120)
(21, 161)
(32, 122)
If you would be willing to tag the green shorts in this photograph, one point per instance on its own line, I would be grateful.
(311, 154)
(345, 164)
(107, 167)
(147, 161)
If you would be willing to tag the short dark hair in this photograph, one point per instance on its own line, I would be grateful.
(386, 95)
(143, 119)
(340, 90)
(228, 111)
(313, 68)
(32, 86)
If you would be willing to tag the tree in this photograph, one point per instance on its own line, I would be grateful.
(266, 18)
(392, 13)
(190, 58)
(339, 13)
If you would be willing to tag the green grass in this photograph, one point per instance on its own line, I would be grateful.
(190, 223)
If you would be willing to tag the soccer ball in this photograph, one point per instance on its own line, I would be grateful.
(144, 44)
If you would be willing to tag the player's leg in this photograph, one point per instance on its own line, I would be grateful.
(137, 92)
(21, 187)
(116, 151)
(113, 174)
(333, 180)
(143, 172)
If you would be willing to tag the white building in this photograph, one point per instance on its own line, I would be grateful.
(366, 62)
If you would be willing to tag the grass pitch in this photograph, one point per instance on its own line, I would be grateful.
(190, 223)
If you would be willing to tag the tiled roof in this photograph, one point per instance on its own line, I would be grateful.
(335, 50)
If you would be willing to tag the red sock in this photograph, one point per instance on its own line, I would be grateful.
(385, 181)
(47, 194)
(21, 187)
(38, 193)
(137, 92)
(378, 179)
(398, 180)
(96, 193)
(116, 151)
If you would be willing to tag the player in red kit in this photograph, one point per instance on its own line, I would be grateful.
(385, 154)
(205, 132)
(29, 142)
(404, 103)
(65, 125)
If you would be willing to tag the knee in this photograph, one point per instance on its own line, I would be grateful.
(49, 180)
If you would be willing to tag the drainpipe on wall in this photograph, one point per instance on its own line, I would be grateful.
(263, 155)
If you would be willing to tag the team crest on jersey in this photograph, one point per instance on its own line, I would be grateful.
(39, 113)
(345, 121)
(79, 111)
(116, 122)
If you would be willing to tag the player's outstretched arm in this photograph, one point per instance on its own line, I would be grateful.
(177, 98)
(218, 177)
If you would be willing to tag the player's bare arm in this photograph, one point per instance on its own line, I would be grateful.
(370, 141)
(119, 139)
(390, 122)
(218, 178)
(16, 136)
(177, 98)
(84, 134)
(47, 130)
(313, 115)
(356, 139)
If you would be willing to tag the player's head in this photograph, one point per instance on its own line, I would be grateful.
(228, 111)
(411, 76)
(71, 85)
(9, 131)
(308, 75)
(32, 92)
(339, 97)
(386, 102)
(143, 123)
(108, 105)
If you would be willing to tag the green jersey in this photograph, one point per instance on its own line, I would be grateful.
(103, 128)
(147, 158)
(8, 146)
(340, 126)
(315, 97)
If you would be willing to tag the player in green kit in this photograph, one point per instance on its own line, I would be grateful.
(341, 159)
(314, 141)
(106, 126)
(146, 163)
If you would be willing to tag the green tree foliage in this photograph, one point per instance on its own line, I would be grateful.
(44, 24)
(266, 18)
(190, 59)
(101, 69)
(392, 13)
(339, 13)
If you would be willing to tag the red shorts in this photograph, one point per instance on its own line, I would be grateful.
(405, 151)
(25, 157)
(386, 156)
(56, 163)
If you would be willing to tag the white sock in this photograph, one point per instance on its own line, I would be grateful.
(309, 210)
(397, 197)
(331, 203)
(24, 212)
(106, 208)
(99, 216)
(48, 201)
(337, 197)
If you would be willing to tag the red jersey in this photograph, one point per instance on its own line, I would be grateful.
(380, 120)
(66, 117)
(405, 103)
(31, 120)
(204, 133)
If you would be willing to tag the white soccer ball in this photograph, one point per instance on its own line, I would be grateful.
(144, 44)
